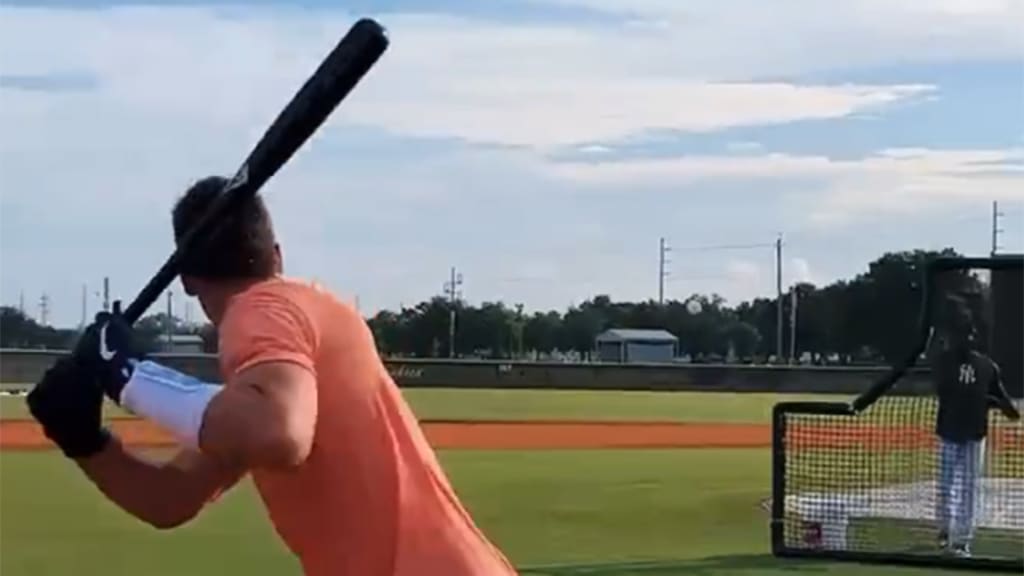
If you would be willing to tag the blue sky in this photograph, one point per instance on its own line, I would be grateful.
(542, 147)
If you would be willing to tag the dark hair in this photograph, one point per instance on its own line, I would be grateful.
(957, 323)
(956, 311)
(244, 247)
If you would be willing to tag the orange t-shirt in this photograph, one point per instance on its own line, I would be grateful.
(371, 499)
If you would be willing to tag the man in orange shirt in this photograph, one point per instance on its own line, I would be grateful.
(308, 408)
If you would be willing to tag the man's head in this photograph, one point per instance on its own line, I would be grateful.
(244, 251)
(958, 322)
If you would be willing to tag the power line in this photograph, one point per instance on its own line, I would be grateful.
(722, 247)
(708, 276)
(670, 277)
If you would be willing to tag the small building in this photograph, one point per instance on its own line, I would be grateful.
(626, 345)
(181, 343)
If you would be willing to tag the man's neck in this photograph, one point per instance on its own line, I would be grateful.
(220, 296)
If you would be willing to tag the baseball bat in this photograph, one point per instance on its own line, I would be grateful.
(332, 81)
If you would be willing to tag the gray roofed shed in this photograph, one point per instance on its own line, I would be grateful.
(628, 345)
(636, 335)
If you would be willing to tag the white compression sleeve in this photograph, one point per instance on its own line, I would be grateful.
(173, 400)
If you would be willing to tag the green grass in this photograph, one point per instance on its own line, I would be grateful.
(729, 565)
(54, 521)
(565, 513)
(451, 404)
(14, 408)
(555, 513)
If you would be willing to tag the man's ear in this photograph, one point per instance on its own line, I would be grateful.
(278, 259)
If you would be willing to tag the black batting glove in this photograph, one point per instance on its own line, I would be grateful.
(109, 349)
(68, 403)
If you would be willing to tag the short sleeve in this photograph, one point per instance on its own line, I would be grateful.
(265, 327)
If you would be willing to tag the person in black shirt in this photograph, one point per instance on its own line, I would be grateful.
(967, 384)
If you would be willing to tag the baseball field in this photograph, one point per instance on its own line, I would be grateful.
(567, 483)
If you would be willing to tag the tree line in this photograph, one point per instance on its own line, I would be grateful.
(871, 317)
(868, 318)
(17, 330)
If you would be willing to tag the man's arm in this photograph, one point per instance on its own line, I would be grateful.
(68, 403)
(162, 494)
(265, 417)
(998, 393)
(265, 414)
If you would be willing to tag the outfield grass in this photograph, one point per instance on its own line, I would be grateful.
(452, 404)
(449, 404)
(563, 512)
(555, 513)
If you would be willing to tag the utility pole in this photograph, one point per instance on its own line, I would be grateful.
(106, 294)
(44, 309)
(451, 289)
(792, 324)
(517, 333)
(663, 250)
(170, 321)
(778, 290)
(85, 305)
(21, 302)
(996, 230)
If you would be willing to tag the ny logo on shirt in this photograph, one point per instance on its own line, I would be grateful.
(967, 374)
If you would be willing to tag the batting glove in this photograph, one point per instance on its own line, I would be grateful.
(109, 349)
(68, 403)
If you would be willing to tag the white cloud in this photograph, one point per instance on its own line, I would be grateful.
(839, 191)
(744, 146)
(539, 86)
(794, 36)
(595, 149)
(564, 110)
(746, 274)
(800, 271)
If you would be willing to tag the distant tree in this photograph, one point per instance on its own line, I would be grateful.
(582, 324)
(742, 337)
(888, 323)
(868, 318)
(211, 342)
(19, 331)
(761, 314)
(543, 332)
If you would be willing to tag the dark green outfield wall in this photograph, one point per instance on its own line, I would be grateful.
(25, 366)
